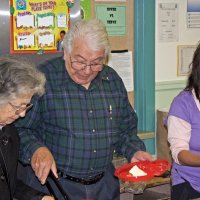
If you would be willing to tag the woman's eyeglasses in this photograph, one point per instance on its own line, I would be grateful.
(20, 109)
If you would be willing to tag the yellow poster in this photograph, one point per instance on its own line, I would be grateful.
(38, 25)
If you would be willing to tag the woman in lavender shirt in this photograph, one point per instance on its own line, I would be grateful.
(184, 136)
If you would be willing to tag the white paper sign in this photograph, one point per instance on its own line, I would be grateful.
(168, 22)
(122, 63)
(25, 21)
(27, 40)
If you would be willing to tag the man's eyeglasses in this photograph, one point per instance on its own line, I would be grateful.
(20, 109)
(95, 67)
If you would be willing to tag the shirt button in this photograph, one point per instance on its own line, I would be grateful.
(91, 111)
(91, 168)
(95, 151)
(93, 130)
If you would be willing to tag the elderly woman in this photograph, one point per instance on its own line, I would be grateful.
(19, 81)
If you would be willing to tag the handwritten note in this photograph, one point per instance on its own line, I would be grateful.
(26, 41)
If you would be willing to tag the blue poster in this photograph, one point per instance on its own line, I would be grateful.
(193, 6)
(193, 13)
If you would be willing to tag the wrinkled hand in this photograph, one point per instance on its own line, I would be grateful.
(42, 162)
(47, 198)
(141, 156)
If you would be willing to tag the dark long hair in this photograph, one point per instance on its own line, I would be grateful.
(194, 77)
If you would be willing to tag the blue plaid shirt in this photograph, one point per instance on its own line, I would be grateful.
(81, 127)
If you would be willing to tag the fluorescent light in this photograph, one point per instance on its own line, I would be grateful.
(74, 15)
(5, 13)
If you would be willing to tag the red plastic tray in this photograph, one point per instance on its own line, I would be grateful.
(152, 168)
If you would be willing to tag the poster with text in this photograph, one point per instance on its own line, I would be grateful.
(38, 26)
(114, 17)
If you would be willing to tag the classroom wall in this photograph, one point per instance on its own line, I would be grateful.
(165, 91)
(168, 84)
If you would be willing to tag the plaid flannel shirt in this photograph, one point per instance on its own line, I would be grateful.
(81, 127)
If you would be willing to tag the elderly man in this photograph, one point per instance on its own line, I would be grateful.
(82, 119)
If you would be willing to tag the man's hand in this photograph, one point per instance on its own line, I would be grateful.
(141, 156)
(42, 162)
(47, 198)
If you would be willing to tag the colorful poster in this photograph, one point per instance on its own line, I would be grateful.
(38, 25)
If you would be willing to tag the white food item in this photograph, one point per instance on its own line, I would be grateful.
(136, 171)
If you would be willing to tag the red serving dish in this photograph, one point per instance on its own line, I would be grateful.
(152, 168)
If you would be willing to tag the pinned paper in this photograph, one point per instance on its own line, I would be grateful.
(123, 64)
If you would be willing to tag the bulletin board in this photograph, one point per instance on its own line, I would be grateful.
(119, 20)
(37, 25)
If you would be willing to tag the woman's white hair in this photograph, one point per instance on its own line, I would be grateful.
(19, 77)
(93, 32)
